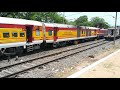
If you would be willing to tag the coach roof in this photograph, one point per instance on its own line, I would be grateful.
(103, 29)
(6, 20)
(59, 25)
(87, 27)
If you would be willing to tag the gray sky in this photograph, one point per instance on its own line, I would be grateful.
(108, 16)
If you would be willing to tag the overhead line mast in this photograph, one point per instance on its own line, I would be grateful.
(115, 27)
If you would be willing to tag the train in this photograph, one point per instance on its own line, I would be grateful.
(110, 33)
(102, 33)
(18, 35)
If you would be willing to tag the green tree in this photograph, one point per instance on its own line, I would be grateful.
(23, 15)
(71, 23)
(52, 17)
(82, 21)
(99, 22)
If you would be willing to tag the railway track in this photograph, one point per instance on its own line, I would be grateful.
(21, 67)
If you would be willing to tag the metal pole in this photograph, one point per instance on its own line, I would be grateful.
(115, 28)
(63, 17)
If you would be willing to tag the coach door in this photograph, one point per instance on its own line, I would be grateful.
(78, 31)
(55, 33)
(95, 32)
(29, 33)
(87, 32)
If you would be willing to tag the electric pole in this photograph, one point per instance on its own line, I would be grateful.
(63, 17)
(115, 28)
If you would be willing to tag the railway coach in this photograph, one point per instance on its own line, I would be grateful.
(110, 33)
(17, 35)
(61, 34)
(102, 32)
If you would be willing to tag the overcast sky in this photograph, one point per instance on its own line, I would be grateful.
(108, 16)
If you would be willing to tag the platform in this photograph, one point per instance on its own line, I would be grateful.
(107, 67)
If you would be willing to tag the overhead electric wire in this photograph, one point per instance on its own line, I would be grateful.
(106, 15)
(73, 14)
(110, 15)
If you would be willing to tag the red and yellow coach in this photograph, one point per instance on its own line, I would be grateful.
(19, 34)
(63, 33)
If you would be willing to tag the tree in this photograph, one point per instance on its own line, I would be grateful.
(99, 22)
(23, 15)
(95, 22)
(71, 23)
(82, 21)
(51, 17)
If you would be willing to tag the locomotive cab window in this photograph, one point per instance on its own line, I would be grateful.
(50, 32)
(37, 32)
(14, 34)
(22, 34)
(6, 35)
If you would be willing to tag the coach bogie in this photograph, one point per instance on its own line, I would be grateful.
(12, 51)
(2, 50)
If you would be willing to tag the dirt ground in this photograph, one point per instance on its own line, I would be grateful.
(107, 69)
(110, 68)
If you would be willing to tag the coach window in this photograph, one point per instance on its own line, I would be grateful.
(22, 34)
(14, 34)
(82, 32)
(50, 32)
(6, 35)
(37, 32)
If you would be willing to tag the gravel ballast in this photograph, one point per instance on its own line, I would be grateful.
(54, 69)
